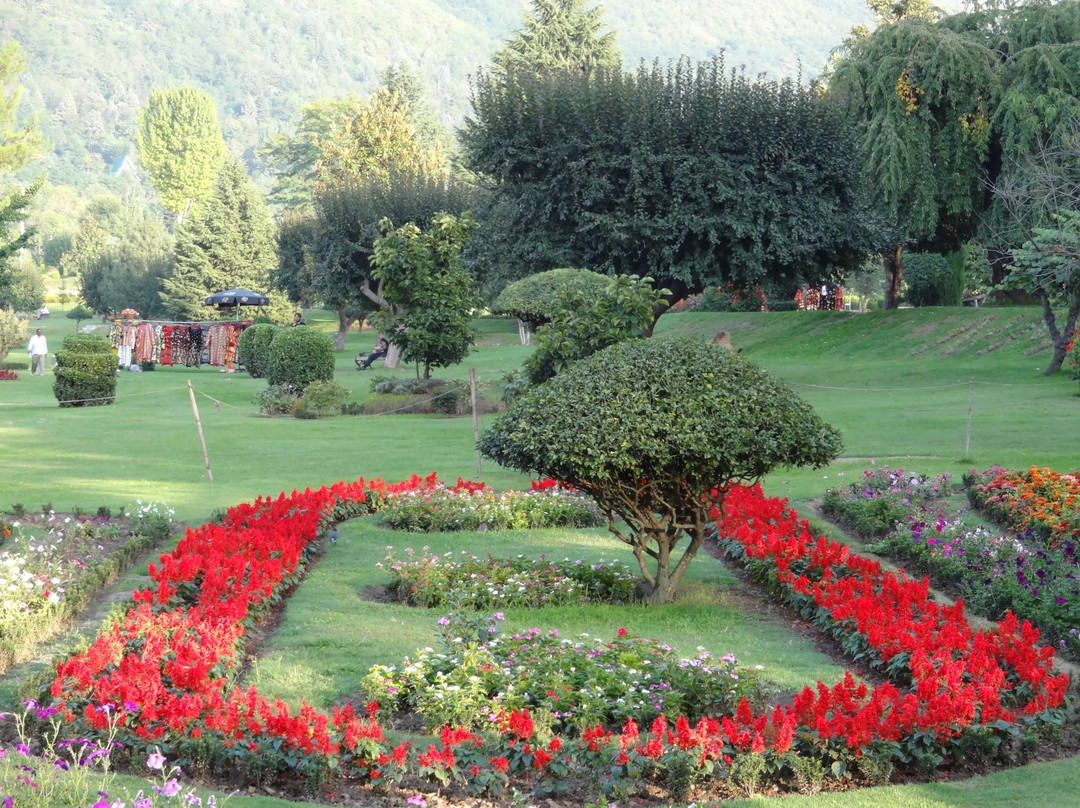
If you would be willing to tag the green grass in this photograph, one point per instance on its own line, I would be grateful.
(896, 383)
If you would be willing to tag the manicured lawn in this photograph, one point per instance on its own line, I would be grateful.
(881, 378)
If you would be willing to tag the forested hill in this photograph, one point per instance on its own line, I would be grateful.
(92, 63)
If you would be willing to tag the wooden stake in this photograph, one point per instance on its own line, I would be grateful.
(971, 402)
(475, 415)
(198, 425)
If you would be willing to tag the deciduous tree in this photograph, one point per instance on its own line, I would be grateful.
(427, 295)
(693, 176)
(180, 146)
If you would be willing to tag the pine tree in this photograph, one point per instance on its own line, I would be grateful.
(559, 35)
(229, 244)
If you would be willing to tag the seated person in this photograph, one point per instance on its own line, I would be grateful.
(378, 353)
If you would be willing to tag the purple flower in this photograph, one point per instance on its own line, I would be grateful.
(170, 789)
(156, 760)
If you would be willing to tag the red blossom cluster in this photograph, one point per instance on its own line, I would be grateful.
(163, 672)
(953, 676)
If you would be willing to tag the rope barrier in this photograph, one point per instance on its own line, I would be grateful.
(898, 389)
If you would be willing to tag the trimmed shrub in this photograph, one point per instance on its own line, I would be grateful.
(534, 299)
(300, 356)
(85, 372)
(320, 399)
(253, 350)
(657, 431)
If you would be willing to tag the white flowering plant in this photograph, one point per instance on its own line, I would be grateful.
(430, 580)
(567, 685)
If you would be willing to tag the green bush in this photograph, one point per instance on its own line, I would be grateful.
(649, 428)
(534, 299)
(300, 356)
(932, 281)
(253, 350)
(13, 331)
(321, 399)
(424, 395)
(85, 372)
(277, 399)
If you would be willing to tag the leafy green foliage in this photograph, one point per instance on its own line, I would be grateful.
(25, 290)
(559, 35)
(20, 139)
(124, 268)
(943, 107)
(13, 206)
(85, 372)
(13, 331)
(228, 245)
(180, 146)
(334, 249)
(277, 399)
(300, 356)
(648, 428)
(586, 320)
(931, 280)
(694, 176)
(534, 299)
(322, 398)
(446, 509)
(1049, 266)
(253, 349)
(422, 276)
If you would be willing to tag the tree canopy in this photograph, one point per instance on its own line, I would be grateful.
(945, 110)
(693, 176)
(228, 245)
(559, 35)
(431, 295)
(20, 141)
(534, 299)
(654, 430)
(180, 146)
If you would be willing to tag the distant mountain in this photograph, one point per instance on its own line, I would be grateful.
(92, 63)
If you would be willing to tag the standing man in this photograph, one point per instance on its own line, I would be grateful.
(38, 349)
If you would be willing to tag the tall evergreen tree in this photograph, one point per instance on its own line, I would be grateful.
(229, 244)
(180, 146)
(559, 35)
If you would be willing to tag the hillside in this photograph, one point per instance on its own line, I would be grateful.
(92, 63)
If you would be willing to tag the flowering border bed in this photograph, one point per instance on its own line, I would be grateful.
(162, 676)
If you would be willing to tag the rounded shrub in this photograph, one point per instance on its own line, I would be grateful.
(253, 350)
(657, 431)
(300, 356)
(534, 299)
(85, 372)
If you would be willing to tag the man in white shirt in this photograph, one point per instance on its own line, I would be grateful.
(38, 349)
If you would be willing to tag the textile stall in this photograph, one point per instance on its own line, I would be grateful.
(175, 343)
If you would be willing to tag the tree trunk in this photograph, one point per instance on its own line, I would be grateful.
(524, 334)
(894, 276)
(393, 357)
(1059, 337)
(344, 324)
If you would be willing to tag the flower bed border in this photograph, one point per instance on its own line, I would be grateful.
(162, 675)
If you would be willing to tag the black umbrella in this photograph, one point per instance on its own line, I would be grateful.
(231, 298)
(237, 297)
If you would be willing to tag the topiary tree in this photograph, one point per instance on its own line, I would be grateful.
(253, 349)
(78, 314)
(300, 356)
(533, 300)
(657, 432)
(85, 372)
